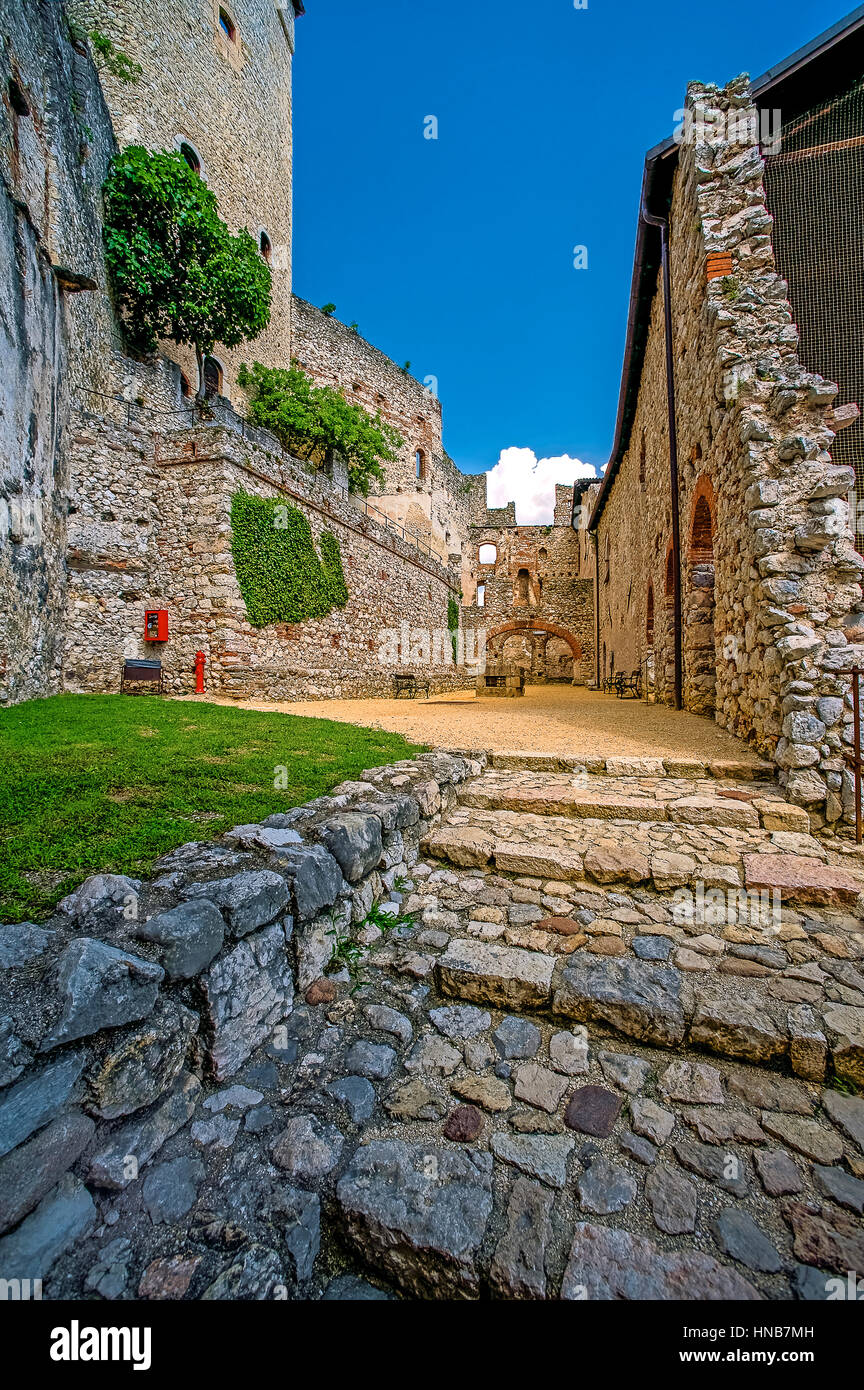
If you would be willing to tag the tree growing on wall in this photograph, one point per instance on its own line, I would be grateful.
(312, 421)
(176, 270)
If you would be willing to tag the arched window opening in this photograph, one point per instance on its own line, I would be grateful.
(185, 385)
(649, 619)
(523, 582)
(419, 464)
(266, 248)
(481, 595)
(487, 554)
(212, 377)
(701, 543)
(227, 25)
(191, 156)
(542, 555)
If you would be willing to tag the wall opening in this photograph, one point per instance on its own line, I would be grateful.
(700, 662)
(487, 554)
(213, 377)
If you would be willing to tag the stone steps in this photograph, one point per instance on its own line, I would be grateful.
(735, 769)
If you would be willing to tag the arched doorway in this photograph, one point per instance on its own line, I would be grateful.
(532, 633)
(700, 662)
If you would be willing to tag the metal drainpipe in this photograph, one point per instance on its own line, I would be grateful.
(663, 224)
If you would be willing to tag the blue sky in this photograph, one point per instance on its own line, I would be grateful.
(457, 253)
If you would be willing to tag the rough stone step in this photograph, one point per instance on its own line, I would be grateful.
(801, 879)
(526, 760)
(560, 800)
(655, 1004)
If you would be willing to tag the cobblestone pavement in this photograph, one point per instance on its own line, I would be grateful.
(537, 1076)
(548, 719)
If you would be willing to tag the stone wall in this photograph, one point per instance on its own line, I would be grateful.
(229, 100)
(123, 1014)
(152, 530)
(772, 611)
(55, 141)
(438, 505)
(537, 604)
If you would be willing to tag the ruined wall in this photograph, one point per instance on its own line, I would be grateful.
(771, 599)
(152, 529)
(55, 141)
(537, 608)
(437, 506)
(231, 101)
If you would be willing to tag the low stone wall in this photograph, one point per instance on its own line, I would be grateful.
(120, 1014)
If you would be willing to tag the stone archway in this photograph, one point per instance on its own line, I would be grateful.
(700, 660)
(551, 630)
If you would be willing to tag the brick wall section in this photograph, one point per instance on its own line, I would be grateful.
(53, 153)
(152, 529)
(538, 610)
(232, 103)
(436, 507)
(771, 599)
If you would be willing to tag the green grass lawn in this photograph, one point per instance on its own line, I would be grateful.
(107, 783)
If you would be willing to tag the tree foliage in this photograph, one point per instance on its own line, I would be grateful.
(282, 577)
(176, 270)
(312, 421)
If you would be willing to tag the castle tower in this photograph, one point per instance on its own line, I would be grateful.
(215, 84)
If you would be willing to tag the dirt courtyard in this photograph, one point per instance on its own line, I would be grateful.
(547, 719)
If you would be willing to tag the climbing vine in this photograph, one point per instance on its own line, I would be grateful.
(453, 622)
(282, 578)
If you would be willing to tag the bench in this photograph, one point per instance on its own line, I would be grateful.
(142, 672)
(409, 685)
(629, 685)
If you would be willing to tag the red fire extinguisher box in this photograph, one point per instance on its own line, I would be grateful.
(156, 625)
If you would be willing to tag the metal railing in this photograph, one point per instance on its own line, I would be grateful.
(137, 412)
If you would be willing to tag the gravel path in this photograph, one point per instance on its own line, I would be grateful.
(547, 719)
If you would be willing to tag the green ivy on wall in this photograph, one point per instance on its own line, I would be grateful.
(282, 577)
(453, 622)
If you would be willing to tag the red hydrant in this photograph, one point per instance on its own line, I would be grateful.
(200, 659)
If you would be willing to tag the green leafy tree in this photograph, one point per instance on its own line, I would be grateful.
(176, 270)
(328, 309)
(312, 422)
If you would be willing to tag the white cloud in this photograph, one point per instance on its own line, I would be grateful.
(521, 477)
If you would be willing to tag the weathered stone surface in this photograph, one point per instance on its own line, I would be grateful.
(671, 870)
(102, 903)
(840, 1186)
(460, 1020)
(844, 1025)
(249, 900)
(539, 1086)
(30, 1171)
(143, 1064)
(464, 1124)
(537, 860)
(516, 1037)
(695, 1082)
(616, 864)
(463, 845)
(433, 1056)
(593, 1110)
(802, 879)
(246, 993)
(807, 1137)
(192, 935)
(356, 1093)
(130, 1148)
(355, 842)
(724, 1169)
(652, 947)
(650, 1119)
(568, 1053)
(542, 1156)
(611, 1264)
(639, 999)
(307, 1148)
(38, 1098)
(487, 1091)
(412, 1100)
(169, 1278)
(826, 1237)
(847, 1112)
(778, 1172)
(253, 1277)
(351, 1288)
(738, 1235)
(299, 1215)
(564, 926)
(170, 1189)
(518, 1267)
(22, 942)
(14, 1055)
(736, 1030)
(637, 1148)
(62, 1218)
(605, 1187)
(619, 1068)
(109, 1275)
(419, 1212)
(770, 1092)
(314, 876)
(371, 1059)
(722, 1126)
(100, 987)
(487, 973)
(673, 1200)
(321, 991)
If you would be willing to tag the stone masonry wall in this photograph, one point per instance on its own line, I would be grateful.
(122, 1015)
(438, 506)
(55, 141)
(537, 609)
(152, 530)
(771, 599)
(231, 101)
